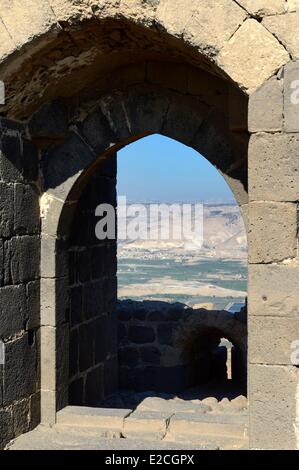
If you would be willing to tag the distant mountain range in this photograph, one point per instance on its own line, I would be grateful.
(224, 237)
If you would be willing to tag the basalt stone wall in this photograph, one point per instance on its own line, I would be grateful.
(93, 371)
(19, 282)
(170, 347)
(273, 259)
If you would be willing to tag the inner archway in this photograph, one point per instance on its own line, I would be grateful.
(88, 287)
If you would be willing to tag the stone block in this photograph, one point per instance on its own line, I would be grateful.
(95, 129)
(128, 356)
(272, 232)
(35, 415)
(150, 354)
(21, 369)
(22, 257)
(1, 263)
(94, 386)
(13, 310)
(141, 334)
(266, 107)
(274, 167)
(6, 210)
(6, 43)
(243, 56)
(56, 216)
(261, 8)
(6, 427)
(102, 418)
(291, 97)
(273, 290)
(273, 398)
(18, 158)
(63, 164)
(51, 120)
(181, 111)
(10, 159)
(151, 425)
(237, 110)
(283, 27)
(204, 23)
(270, 339)
(62, 361)
(48, 407)
(205, 84)
(172, 76)
(24, 21)
(146, 109)
(293, 5)
(165, 333)
(54, 301)
(21, 417)
(27, 213)
(33, 305)
(54, 257)
(198, 425)
(48, 358)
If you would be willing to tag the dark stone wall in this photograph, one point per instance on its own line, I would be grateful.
(149, 358)
(168, 348)
(19, 281)
(93, 369)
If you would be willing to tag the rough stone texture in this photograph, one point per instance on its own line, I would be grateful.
(266, 118)
(7, 44)
(291, 97)
(155, 349)
(66, 10)
(26, 19)
(273, 167)
(151, 425)
(283, 27)
(293, 5)
(183, 425)
(273, 290)
(61, 437)
(250, 68)
(270, 339)
(19, 280)
(96, 417)
(263, 7)
(272, 232)
(273, 407)
(195, 22)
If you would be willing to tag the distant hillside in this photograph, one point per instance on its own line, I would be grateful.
(224, 237)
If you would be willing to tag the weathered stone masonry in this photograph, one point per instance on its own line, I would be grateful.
(19, 282)
(171, 347)
(90, 77)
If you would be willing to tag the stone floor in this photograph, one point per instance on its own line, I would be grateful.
(155, 421)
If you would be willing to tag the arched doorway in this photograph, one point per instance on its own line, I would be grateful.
(72, 173)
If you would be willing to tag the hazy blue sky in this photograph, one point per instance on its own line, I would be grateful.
(157, 168)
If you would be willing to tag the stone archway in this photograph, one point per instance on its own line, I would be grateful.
(110, 122)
